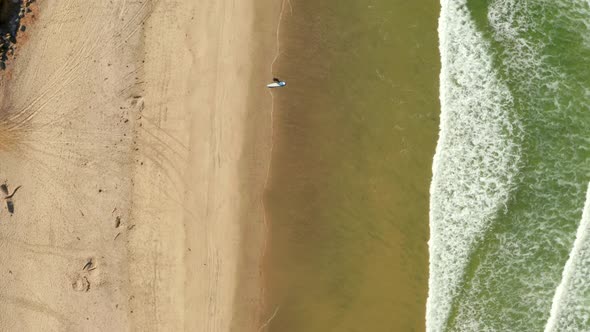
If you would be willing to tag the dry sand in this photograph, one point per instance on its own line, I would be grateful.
(139, 131)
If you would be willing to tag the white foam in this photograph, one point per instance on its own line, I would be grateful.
(476, 157)
(521, 27)
(571, 303)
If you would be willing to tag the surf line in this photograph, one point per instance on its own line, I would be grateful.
(271, 149)
(561, 292)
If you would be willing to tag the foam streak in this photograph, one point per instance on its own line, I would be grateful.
(476, 157)
(569, 310)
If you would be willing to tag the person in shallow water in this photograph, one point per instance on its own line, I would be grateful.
(277, 83)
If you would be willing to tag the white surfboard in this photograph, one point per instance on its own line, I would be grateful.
(276, 84)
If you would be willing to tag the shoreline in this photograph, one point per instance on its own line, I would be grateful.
(268, 313)
(255, 166)
(261, 140)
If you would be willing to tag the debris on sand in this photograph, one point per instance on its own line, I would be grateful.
(89, 265)
(11, 14)
(8, 197)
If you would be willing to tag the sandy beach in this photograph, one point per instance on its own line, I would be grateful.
(140, 134)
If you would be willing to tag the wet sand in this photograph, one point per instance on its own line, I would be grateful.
(141, 143)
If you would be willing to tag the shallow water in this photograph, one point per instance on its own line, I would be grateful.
(355, 131)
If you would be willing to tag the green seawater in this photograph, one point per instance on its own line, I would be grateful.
(355, 132)
(539, 52)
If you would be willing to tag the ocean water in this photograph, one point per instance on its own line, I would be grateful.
(509, 213)
(354, 130)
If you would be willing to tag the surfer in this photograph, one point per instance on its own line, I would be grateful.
(277, 83)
